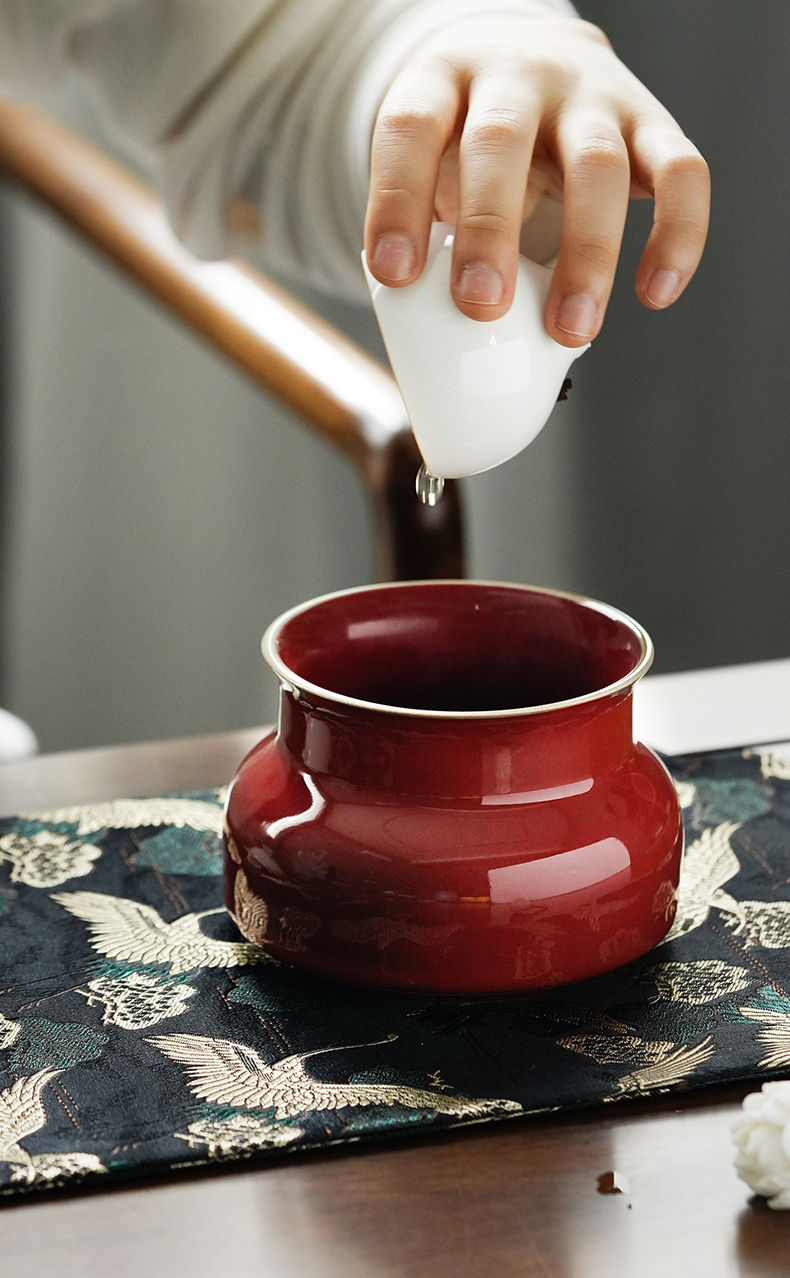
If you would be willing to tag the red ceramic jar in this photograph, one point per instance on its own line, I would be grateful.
(453, 800)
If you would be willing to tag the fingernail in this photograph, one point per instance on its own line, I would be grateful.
(576, 315)
(393, 257)
(480, 284)
(663, 288)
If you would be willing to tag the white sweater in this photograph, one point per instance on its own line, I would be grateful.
(242, 106)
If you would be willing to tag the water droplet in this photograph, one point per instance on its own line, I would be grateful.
(429, 487)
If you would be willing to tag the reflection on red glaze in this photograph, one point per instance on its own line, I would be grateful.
(518, 847)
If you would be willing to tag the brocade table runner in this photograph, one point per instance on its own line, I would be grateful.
(140, 1034)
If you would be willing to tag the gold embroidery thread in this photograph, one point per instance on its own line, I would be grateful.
(708, 863)
(124, 929)
(234, 1074)
(137, 1001)
(130, 814)
(47, 858)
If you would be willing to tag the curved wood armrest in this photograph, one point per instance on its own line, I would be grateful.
(336, 387)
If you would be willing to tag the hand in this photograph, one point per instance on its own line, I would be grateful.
(494, 113)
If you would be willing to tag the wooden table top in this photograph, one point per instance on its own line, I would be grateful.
(517, 1198)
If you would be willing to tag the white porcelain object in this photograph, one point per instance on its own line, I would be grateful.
(17, 739)
(476, 393)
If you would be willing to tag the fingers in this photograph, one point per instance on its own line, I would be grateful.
(599, 172)
(666, 163)
(414, 128)
(456, 133)
(494, 161)
(596, 172)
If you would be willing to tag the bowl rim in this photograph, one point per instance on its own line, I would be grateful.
(298, 686)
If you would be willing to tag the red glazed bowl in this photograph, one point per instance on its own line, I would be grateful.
(453, 800)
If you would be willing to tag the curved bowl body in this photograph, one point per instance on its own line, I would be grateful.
(476, 393)
(455, 850)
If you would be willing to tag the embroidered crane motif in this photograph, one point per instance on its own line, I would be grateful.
(124, 929)
(131, 814)
(21, 1114)
(234, 1074)
(669, 1070)
(660, 1065)
(775, 1035)
(708, 863)
(239, 1134)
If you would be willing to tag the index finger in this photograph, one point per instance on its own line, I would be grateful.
(414, 127)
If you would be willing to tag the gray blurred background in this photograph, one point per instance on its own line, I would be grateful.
(157, 510)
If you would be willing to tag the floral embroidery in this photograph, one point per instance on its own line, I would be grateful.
(47, 859)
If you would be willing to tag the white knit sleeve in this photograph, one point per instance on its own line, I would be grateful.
(257, 114)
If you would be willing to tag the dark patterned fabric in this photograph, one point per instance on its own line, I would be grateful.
(140, 1034)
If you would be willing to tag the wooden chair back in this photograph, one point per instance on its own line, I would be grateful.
(339, 390)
